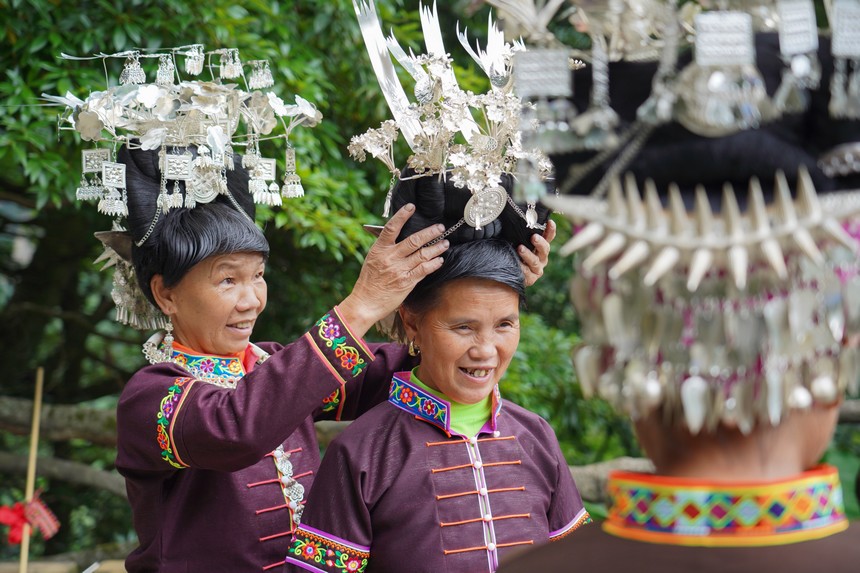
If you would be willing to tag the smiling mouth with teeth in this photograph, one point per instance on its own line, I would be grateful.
(478, 373)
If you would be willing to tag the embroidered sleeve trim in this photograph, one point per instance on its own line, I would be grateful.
(317, 550)
(581, 519)
(345, 355)
(167, 414)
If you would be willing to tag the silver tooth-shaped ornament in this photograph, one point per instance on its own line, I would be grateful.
(773, 381)
(608, 248)
(695, 401)
(635, 208)
(586, 360)
(738, 258)
(807, 199)
(663, 263)
(838, 232)
(615, 198)
(761, 225)
(680, 222)
(654, 208)
(704, 215)
(635, 255)
(588, 235)
(699, 266)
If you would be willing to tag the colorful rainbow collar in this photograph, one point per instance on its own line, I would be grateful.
(678, 511)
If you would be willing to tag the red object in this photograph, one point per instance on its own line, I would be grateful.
(36, 513)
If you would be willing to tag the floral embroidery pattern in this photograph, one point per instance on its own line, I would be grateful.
(414, 400)
(208, 368)
(332, 401)
(328, 555)
(350, 358)
(165, 415)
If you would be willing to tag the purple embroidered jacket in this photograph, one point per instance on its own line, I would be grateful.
(400, 491)
(215, 475)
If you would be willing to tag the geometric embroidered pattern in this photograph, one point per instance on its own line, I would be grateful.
(166, 411)
(315, 550)
(689, 512)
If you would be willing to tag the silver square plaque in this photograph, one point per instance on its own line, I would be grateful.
(265, 169)
(798, 31)
(178, 167)
(846, 29)
(724, 39)
(92, 159)
(542, 73)
(113, 174)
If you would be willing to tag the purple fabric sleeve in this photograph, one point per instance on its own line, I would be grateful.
(165, 418)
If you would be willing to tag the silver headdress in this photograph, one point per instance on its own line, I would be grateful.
(196, 126)
(732, 317)
(471, 138)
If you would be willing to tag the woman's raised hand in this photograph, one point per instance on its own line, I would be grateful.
(533, 263)
(391, 270)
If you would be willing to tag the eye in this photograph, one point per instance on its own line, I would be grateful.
(463, 328)
(228, 281)
(506, 324)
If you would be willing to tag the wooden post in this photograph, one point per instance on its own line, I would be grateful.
(31, 465)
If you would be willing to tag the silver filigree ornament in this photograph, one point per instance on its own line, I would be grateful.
(261, 75)
(798, 44)
(722, 91)
(196, 128)
(471, 139)
(132, 73)
(732, 319)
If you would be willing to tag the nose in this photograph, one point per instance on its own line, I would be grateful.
(483, 348)
(250, 297)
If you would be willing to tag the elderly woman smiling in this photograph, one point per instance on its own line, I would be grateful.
(445, 467)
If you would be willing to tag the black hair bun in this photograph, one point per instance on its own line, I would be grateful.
(438, 200)
(143, 185)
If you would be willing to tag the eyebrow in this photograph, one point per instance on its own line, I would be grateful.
(467, 320)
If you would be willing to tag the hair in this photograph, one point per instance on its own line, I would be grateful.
(184, 237)
(438, 200)
(492, 259)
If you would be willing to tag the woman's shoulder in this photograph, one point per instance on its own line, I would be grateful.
(525, 417)
(383, 428)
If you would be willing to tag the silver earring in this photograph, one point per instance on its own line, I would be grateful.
(413, 350)
(167, 342)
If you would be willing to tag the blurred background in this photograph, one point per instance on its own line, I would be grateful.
(55, 305)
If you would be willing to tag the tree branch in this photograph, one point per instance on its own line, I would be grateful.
(59, 422)
(68, 471)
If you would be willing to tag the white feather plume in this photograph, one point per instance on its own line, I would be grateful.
(383, 67)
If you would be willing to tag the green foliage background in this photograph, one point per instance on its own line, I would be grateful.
(55, 306)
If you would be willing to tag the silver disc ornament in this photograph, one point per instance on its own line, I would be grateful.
(485, 207)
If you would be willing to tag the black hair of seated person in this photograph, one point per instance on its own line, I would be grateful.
(493, 260)
(438, 200)
(673, 154)
(184, 237)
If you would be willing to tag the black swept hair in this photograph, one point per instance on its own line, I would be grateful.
(182, 237)
(673, 154)
(492, 259)
(438, 200)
